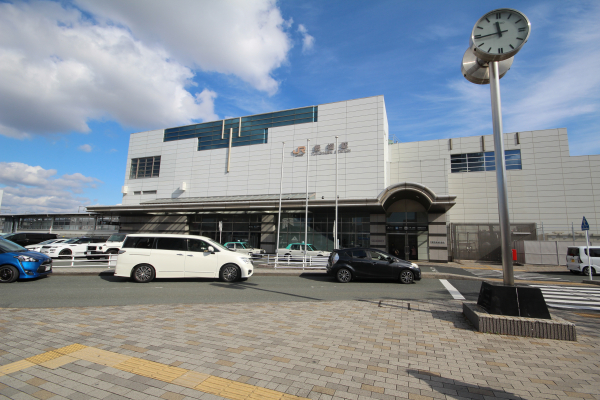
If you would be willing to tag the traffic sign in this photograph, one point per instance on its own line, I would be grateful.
(584, 225)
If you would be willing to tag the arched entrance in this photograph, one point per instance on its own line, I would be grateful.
(415, 221)
(406, 229)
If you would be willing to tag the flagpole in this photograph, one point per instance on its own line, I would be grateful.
(335, 224)
(280, 194)
(306, 211)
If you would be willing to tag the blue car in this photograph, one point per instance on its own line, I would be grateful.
(18, 262)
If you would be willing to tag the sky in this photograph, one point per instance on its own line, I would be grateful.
(78, 77)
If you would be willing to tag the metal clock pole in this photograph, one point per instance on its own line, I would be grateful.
(507, 264)
(280, 194)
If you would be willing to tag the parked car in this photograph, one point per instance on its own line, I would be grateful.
(297, 249)
(579, 262)
(112, 246)
(18, 262)
(70, 248)
(148, 256)
(244, 248)
(349, 264)
(38, 247)
(28, 238)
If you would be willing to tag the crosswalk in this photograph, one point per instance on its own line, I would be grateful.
(524, 276)
(572, 297)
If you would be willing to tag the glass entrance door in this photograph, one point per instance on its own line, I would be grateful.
(404, 246)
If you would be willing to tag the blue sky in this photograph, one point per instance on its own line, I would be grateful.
(78, 77)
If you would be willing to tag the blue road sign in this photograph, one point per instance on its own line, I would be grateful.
(584, 225)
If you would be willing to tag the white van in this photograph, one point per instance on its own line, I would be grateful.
(144, 257)
(578, 260)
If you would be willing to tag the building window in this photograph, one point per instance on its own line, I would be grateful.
(254, 129)
(147, 167)
(483, 161)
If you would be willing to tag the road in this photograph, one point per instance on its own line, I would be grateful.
(90, 290)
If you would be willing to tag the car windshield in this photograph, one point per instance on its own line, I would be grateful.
(71, 240)
(6, 246)
(48, 241)
(116, 238)
(311, 247)
(242, 245)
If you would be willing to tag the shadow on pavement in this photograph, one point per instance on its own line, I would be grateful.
(254, 286)
(452, 387)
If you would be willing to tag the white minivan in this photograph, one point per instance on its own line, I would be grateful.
(144, 257)
(578, 260)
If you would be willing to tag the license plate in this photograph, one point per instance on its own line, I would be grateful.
(48, 267)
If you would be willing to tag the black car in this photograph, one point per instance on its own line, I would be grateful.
(348, 264)
(28, 238)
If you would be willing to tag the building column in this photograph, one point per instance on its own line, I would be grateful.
(378, 232)
(268, 231)
(438, 238)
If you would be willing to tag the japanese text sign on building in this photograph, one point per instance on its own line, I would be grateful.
(300, 151)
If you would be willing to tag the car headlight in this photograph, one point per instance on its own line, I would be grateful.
(414, 265)
(26, 259)
(245, 260)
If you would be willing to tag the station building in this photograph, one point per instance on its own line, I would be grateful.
(429, 200)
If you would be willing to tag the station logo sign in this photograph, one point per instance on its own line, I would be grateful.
(318, 150)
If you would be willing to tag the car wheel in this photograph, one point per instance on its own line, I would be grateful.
(65, 253)
(407, 276)
(8, 274)
(586, 271)
(344, 275)
(230, 273)
(143, 273)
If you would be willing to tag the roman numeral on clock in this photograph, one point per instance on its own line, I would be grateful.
(522, 29)
(498, 15)
(500, 50)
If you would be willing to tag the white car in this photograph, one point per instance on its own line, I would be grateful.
(579, 262)
(38, 247)
(148, 256)
(112, 246)
(297, 250)
(244, 248)
(70, 248)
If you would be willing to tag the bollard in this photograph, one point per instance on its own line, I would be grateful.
(408, 306)
(380, 303)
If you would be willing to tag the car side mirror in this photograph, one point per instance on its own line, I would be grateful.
(211, 249)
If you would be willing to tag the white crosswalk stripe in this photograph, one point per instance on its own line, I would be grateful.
(574, 297)
(524, 276)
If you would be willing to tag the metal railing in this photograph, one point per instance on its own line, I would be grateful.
(295, 262)
(81, 260)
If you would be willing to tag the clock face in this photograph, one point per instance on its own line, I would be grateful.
(500, 34)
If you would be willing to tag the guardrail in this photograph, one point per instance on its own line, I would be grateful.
(296, 262)
(81, 260)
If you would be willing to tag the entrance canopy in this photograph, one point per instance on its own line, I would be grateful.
(421, 194)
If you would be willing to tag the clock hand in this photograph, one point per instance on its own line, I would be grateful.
(498, 29)
(491, 34)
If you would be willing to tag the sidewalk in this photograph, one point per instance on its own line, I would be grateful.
(341, 350)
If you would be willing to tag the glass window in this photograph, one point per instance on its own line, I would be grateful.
(472, 162)
(198, 245)
(595, 252)
(359, 254)
(377, 255)
(148, 167)
(168, 243)
(139, 242)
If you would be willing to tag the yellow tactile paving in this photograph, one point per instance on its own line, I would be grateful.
(179, 376)
(14, 367)
(40, 358)
(58, 362)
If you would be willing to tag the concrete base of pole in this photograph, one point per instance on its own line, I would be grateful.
(555, 328)
(589, 282)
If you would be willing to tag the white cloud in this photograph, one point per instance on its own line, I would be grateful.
(308, 41)
(239, 37)
(85, 148)
(59, 71)
(33, 189)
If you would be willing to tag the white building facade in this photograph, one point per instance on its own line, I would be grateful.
(425, 200)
